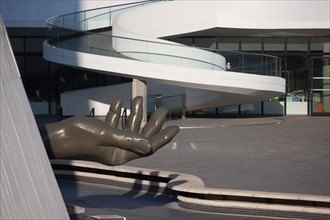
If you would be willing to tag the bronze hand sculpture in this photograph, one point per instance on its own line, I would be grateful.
(85, 138)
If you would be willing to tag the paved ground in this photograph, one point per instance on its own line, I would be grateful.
(282, 154)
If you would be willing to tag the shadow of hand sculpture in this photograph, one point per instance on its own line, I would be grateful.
(85, 138)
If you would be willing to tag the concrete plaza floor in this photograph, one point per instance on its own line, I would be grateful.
(279, 154)
(288, 154)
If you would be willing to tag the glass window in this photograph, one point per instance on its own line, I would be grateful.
(228, 43)
(36, 66)
(206, 42)
(251, 109)
(105, 79)
(297, 76)
(251, 44)
(185, 41)
(229, 110)
(17, 44)
(274, 44)
(33, 45)
(297, 44)
(321, 85)
(37, 88)
(319, 43)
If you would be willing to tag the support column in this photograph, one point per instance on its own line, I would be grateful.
(139, 88)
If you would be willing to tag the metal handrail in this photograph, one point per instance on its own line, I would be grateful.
(63, 32)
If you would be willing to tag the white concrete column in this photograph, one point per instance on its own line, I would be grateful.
(139, 88)
(326, 80)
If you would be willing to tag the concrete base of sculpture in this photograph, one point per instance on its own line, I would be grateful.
(192, 193)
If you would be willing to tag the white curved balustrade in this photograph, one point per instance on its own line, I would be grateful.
(85, 39)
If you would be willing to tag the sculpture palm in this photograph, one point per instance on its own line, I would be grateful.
(86, 138)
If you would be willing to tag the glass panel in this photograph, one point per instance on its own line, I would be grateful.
(297, 44)
(274, 44)
(185, 41)
(53, 109)
(251, 44)
(228, 44)
(252, 64)
(34, 45)
(206, 42)
(37, 88)
(321, 102)
(234, 60)
(17, 44)
(174, 104)
(321, 85)
(273, 107)
(229, 110)
(251, 109)
(40, 107)
(297, 75)
(36, 66)
(97, 19)
(89, 79)
(151, 104)
(155, 52)
(318, 43)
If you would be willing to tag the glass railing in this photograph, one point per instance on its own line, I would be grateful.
(90, 32)
(175, 105)
(245, 62)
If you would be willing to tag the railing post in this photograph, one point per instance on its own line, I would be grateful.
(243, 63)
(184, 110)
(124, 118)
(60, 114)
(92, 112)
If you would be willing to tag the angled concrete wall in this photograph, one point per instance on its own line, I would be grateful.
(28, 189)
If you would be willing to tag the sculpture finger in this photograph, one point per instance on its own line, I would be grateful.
(155, 122)
(135, 117)
(163, 137)
(125, 140)
(113, 114)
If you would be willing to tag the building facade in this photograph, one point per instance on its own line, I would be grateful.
(304, 52)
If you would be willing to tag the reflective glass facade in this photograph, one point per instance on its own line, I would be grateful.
(305, 66)
(44, 81)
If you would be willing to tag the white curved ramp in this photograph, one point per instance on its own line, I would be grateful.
(134, 50)
(28, 188)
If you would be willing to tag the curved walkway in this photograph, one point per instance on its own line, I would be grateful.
(131, 55)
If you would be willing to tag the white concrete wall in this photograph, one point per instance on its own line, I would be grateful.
(249, 14)
(272, 14)
(292, 108)
(181, 16)
(28, 189)
(80, 102)
(297, 108)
